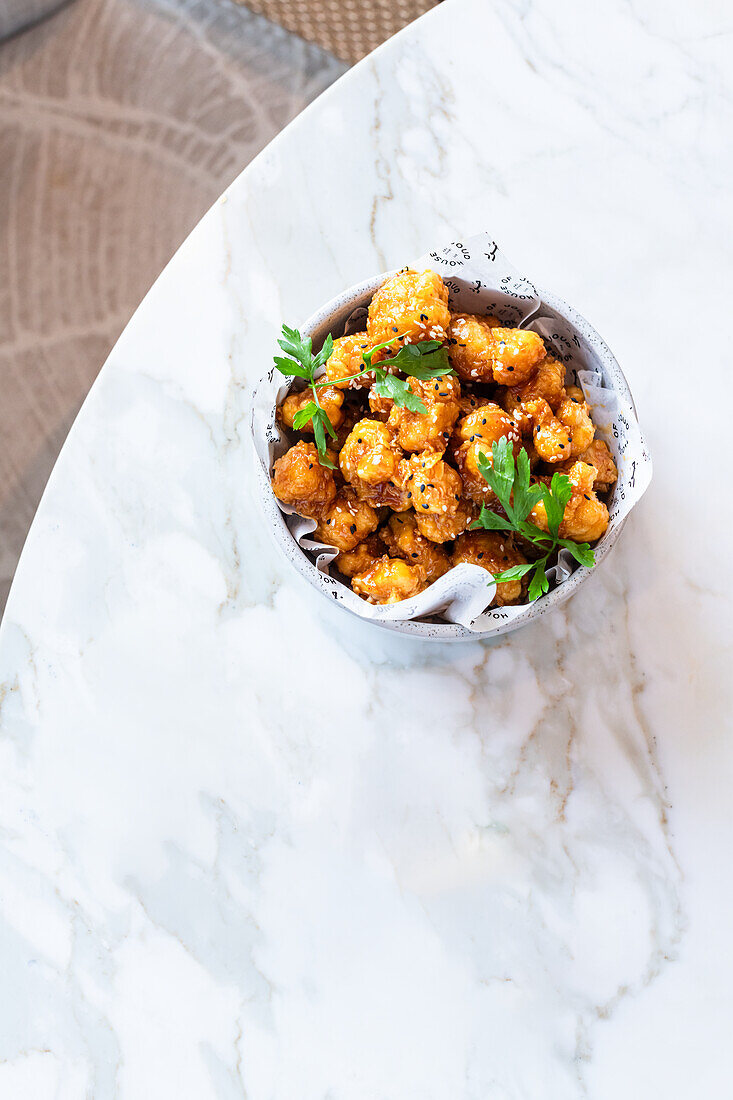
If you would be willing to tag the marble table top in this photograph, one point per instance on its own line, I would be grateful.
(254, 848)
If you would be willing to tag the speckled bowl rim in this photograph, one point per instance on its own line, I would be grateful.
(330, 318)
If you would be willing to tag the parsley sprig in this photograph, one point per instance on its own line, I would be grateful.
(424, 360)
(510, 482)
(302, 363)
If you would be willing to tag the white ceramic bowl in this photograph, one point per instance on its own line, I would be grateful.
(331, 318)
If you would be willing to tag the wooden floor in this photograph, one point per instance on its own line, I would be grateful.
(120, 123)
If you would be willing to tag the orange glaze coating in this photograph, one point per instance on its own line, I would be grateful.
(408, 485)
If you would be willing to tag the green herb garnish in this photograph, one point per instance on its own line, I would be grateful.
(510, 482)
(424, 360)
(302, 363)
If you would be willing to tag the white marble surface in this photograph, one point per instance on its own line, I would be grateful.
(252, 848)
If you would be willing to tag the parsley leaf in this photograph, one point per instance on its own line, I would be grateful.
(510, 481)
(302, 363)
(389, 385)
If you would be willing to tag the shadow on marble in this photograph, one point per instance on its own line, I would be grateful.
(121, 122)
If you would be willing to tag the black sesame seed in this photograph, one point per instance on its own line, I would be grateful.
(394, 328)
(484, 420)
(352, 528)
(424, 505)
(414, 555)
(586, 496)
(359, 440)
(422, 488)
(562, 446)
(409, 495)
(310, 465)
(481, 553)
(510, 369)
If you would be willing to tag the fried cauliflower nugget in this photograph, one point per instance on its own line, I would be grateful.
(489, 422)
(428, 431)
(362, 557)
(404, 540)
(598, 455)
(381, 407)
(575, 415)
(481, 350)
(548, 382)
(473, 436)
(552, 439)
(370, 453)
(445, 526)
(586, 517)
(432, 485)
(331, 401)
(495, 552)
(389, 580)
(347, 521)
(298, 479)
(346, 360)
(409, 307)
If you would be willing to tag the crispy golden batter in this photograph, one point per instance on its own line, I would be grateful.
(551, 438)
(445, 526)
(481, 350)
(472, 346)
(298, 479)
(347, 521)
(346, 360)
(380, 406)
(473, 436)
(409, 307)
(489, 422)
(548, 383)
(370, 454)
(404, 540)
(494, 551)
(575, 415)
(586, 517)
(598, 455)
(362, 557)
(330, 399)
(389, 580)
(432, 485)
(428, 431)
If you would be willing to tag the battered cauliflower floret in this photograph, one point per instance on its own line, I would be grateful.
(586, 517)
(473, 436)
(331, 401)
(489, 422)
(598, 456)
(405, 541)
(370, 453)
(518, 355)
(432, 485)
(445, 526)
(347, 522)
(471, 346)
(551, 438)
(428, 431)
(380, 406)
(346, 359)
(409, 307)
(389, 580)
(548, 382)
(362, 557)
(494, 551)
(298, 479)
(482, 350)
(575, 415)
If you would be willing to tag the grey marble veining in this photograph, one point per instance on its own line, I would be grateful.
(253, 847)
